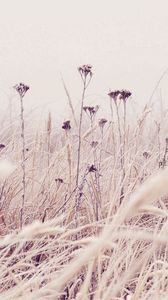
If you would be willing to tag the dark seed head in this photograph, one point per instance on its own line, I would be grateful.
(92, 169)
(66, 125)
(85, 70)
(146, 155)
(94, 144)
(21, 88)
(59, 180)
(102, 122)
(124, 95)
(114, 94)
(2, 146)
(91, 110)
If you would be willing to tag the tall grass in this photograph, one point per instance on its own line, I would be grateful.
(95, 216)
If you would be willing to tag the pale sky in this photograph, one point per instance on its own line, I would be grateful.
(126, 41)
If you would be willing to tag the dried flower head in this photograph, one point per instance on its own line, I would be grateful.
(114, 94)
(94, 144)
(66, 125)
(92, 169)
(85, 70)
(124, 95)
(85, 108)
(2, 146)
(161, 164)
(21, 88)
(102, 122)
(146, 155)
(91, 110)
(166, 140)
(59, 180)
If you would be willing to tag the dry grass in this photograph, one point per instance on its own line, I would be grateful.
(105, 238)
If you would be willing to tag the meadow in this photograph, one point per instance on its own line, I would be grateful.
(84, 207)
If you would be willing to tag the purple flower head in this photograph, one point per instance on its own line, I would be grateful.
(92, 169)
(91, 110)
(124, 95)
(21, 88)
(102, 122)
(85, 108)
(66, 125)
(59, 180)
(114, 94)
(85, 70)
(2, 146)
(94, 144)
(146, 154)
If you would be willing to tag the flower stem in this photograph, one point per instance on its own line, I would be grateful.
(80, 131)
(23, 161)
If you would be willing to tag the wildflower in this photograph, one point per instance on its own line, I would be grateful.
(114, 94)
(124, 95)
(66, 125)
(94, 144)
(91, 110)
(85, 108)
(85, 70)
(2, 146)
(146, 155)
(161, 164)
(21, 88)
(92, 169)
(102, 122)
(59, 180)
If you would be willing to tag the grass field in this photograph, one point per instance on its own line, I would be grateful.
(83, 207)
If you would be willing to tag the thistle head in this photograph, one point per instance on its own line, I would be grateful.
(21, 88)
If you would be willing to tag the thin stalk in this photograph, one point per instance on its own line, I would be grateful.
(70, 102)
(98, 199)
(124, 142)
(112, 127)
(120, 136)
(69, 160)
(80, 131)
(121, 151)
(49, 126)
(23, 161)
